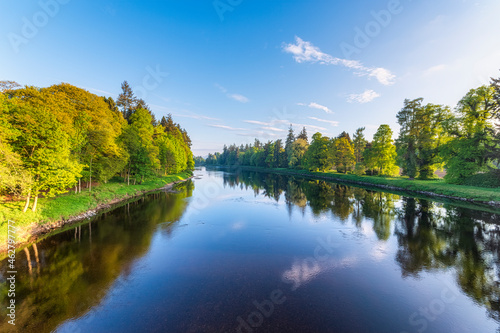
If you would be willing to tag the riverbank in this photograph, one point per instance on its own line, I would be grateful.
(433, 188)
(56, 212)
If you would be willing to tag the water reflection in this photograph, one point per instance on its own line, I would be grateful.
(431, 236)
(56, 283)
(256, 235)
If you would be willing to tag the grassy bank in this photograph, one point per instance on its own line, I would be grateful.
(490, 196)
(51, 210)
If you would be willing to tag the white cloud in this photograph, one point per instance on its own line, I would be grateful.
(237, 97)
(256, 122)
(274, 129)
(303, 51)
(310, 127)
(331, 122)
(365, 97)
(314, 105)
(228, 127)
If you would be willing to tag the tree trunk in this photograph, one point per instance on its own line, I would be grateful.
(27, 202)
(76, 188)
(34, 203)
(79, 185)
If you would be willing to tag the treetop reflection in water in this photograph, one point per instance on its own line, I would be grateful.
(395, 264)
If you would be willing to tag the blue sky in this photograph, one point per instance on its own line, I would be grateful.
(233, 70)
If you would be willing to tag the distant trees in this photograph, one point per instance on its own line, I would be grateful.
(52, 138)
(465, 141)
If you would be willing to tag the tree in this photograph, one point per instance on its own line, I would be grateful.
(280, 155)
(303, 134)
(317, 156)
(384, 151)
(290, 139)
(269, 157)
(297, 152)
(420, 137)
(494, 147)
(408, 136)
(44, 150)
(467, 152)
(359, 143)
(13, 177)
(126, 101)
(344, 154)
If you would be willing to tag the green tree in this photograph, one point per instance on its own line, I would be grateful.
(359, 143)
(126, 101)
(45, 151)
(290, 139)
(317, 156)
(297, 152)
(421, 136)
(384, 151)
(467, 152)
(303, 135)
(344, 154)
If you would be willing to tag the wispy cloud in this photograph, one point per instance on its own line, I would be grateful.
(194, 116)
(256, 122)
(365, 97)
(304, 51)
(274, 129)
(314, 105)
(310, 127)
(229, 128)
(237, 97)
(331, 122)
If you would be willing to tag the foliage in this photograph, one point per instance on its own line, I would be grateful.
(53, 138)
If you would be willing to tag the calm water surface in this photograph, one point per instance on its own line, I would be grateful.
(250, 252)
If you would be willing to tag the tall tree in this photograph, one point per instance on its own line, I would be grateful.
(317, 157)
(359, 143)
(303, 135)
(45, 151)
(297, 152)
(126, 101)
(290, 139)
(384, 151)
(421, 135)
(344, 154)
(467, 153)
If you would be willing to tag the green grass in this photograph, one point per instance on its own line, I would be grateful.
(71, 204)
(437, 186)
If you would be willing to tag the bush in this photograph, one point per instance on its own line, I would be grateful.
(488, 179)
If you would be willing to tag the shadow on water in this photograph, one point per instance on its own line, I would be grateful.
(65, 275)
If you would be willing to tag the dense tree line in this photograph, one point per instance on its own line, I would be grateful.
(52, 139)
(464, 141)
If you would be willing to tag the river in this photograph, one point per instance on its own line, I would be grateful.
(255, 252)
